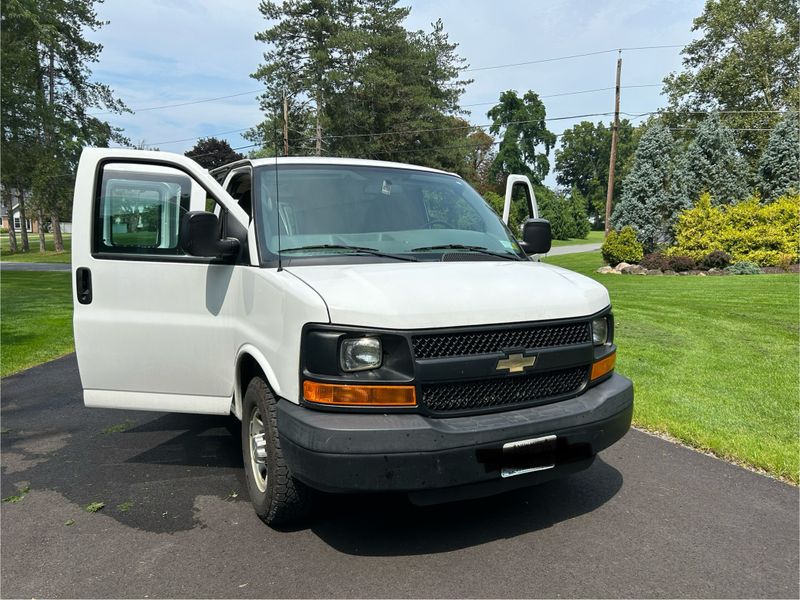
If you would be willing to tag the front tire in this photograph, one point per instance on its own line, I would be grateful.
(278, 498)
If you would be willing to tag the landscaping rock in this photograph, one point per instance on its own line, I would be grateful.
(669, 272)
(621, 266)
(605, 270)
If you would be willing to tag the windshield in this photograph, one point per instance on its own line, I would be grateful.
(389, 213)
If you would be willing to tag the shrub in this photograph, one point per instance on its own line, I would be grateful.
(3, 229)
(682, 263)
(622, 246)
(744, 267)
(748, 231)
(558, 211)
(655, 260)
(716, 259)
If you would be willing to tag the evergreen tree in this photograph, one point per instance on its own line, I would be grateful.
(359, 84)
(578, 209)
(650, 203)
(713, 164)
(524, 129)
(779, 168)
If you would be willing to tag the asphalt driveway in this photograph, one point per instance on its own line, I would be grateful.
(649, 519)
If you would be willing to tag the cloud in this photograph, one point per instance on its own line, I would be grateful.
(173, 51)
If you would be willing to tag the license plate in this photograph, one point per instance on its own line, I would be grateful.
(528, 456)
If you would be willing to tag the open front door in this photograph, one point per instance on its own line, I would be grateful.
(152, 324)
(519, 189)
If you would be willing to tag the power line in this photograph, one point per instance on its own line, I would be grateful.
(605, 89)
(543, 60)
(200, 101)
(633, 115)
(571, 56)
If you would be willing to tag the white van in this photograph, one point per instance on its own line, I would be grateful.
(374, 326)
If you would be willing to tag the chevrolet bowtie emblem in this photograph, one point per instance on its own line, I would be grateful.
(516, 363)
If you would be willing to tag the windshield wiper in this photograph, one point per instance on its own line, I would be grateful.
(361, 249)
(479, 249)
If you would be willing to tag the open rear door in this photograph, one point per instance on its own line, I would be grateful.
(152, 324)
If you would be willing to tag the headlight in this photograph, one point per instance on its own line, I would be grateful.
(360, 354)
(600, 331)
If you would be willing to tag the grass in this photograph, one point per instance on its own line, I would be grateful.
(94, 507)
(35, 319)
(594, 237)
(19, 496)
(33, 255)
(118, 428)
(714, 360)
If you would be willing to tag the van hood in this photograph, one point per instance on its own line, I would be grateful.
(451, 294)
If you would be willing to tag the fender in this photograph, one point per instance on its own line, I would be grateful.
(269, 373)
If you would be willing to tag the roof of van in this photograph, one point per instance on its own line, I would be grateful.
(323, 160)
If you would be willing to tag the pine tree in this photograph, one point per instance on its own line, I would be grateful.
(713, 164)
(649, 200)
(359, 84)
(779, 167)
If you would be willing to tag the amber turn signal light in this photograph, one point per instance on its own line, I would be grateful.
(604, 365)
(359, 395)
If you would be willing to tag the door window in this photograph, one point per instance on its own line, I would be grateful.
(139, 209)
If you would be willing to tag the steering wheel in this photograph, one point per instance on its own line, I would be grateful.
(444, 224)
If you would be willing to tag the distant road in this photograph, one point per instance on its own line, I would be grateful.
(574, 249)
(25, 266)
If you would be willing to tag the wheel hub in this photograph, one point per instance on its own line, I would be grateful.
(259, 442)
(258, 449)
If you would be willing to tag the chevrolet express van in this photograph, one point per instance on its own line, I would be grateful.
(375, 326)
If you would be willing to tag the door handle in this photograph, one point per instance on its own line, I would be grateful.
(83, 285)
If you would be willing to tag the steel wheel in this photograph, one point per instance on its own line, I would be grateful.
(258, 450)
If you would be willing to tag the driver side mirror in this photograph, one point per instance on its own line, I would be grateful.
(200, 236)
(536, 236)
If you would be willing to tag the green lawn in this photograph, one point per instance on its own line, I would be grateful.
(50, 256)
(35, 319)
(714, 360)
(594, 237)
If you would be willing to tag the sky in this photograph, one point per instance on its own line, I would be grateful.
(160, 53)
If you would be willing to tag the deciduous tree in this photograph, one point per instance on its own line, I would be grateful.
(521, 124)
(744, 60)
(582, 162)
(211, 152)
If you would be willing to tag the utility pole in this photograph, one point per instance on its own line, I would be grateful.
(285, 125)
(613, 160)
(319, 127)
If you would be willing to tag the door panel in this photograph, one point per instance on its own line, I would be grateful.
(157, 331)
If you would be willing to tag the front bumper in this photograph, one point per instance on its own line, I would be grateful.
(440, 459)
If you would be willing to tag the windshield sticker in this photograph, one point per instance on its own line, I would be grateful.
(386, 188)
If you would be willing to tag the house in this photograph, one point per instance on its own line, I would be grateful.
(31, 225)
(31, 222)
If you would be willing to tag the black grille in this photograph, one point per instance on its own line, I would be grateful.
(503, 391)
(475, 342)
